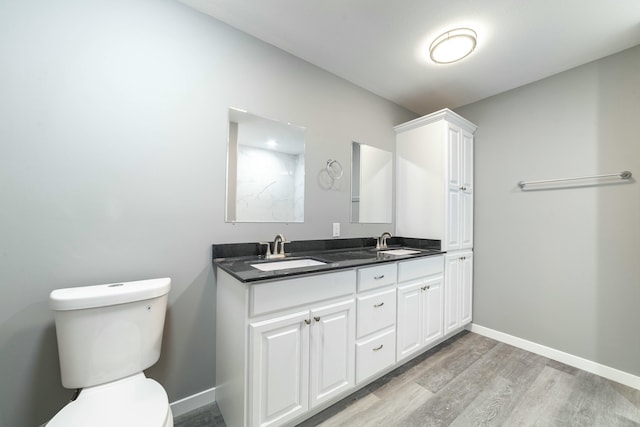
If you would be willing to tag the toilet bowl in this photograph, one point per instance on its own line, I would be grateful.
(107, 335)
(136, 401)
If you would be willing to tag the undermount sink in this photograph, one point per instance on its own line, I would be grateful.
(287, 263)
(399, 252)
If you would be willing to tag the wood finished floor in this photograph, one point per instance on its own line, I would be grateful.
(470, 380)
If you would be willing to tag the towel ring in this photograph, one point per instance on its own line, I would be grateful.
(334, 169)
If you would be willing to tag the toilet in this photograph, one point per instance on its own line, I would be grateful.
(107, 335)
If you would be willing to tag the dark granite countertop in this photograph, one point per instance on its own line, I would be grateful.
(335, 254)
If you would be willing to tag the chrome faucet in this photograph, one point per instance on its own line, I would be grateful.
(278, 247)
(382, 240)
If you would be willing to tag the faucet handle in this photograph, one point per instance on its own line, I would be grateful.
(282, 246)
(268, 253)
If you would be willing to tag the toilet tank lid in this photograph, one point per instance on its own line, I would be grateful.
(108, 294)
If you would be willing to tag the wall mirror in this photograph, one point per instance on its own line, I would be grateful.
(371, 184)
(265, 170)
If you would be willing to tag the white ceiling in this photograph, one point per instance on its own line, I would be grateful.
(379, 44)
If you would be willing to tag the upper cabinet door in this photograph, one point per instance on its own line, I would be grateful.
(459, 206)
(466, 161)
(453, 208)
(453, 158)
(466, 193)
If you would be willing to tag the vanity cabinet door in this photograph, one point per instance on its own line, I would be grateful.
(458, 293)
(466, 288)
(332, 368)
(408, 332)
(420, 314)
(432, 315)
(452, 293)
(279, 364)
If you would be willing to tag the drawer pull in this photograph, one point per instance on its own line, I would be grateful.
(378, 348)
(307, 321)
(317, 318)
(379, 277)
(378, 305)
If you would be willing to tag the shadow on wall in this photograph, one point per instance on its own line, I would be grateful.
(618, 209)
(191, 338)
(31, 389)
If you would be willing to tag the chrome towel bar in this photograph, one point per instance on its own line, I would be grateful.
(620, 175)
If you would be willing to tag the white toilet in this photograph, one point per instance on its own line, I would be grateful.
(107, 335)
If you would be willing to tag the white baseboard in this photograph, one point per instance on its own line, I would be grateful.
(189, 403)
(566, 358)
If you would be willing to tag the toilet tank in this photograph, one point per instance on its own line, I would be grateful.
(108, 332)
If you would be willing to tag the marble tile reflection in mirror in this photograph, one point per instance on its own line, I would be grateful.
(371, 184)
(265, 170)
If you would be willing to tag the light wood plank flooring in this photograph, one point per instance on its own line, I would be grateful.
(471, 380)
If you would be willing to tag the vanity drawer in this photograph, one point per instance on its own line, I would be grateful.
(376, 277)
(375, 354)
(375, 312)
(409, 270)
(288, 293)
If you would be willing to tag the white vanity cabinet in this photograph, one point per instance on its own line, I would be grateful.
(420, 305)
(434, 179)
(376, 320)
(284, 347)
(458, 290)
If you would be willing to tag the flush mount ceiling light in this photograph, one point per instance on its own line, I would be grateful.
(453, 45)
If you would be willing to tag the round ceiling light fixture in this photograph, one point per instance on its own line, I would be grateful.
(453, 45)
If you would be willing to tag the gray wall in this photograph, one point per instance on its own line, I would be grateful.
(113, 127)
(560, 267)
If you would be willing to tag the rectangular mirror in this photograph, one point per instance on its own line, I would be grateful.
(371, 184)
(265, 170)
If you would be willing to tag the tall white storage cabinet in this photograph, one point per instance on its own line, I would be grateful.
(434, 199)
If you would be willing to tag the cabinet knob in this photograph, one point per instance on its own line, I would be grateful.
(316, 318)
(424, 288)
(379, 277)
(378, 348)
(378, 305)
(307, 321)
(428, 287)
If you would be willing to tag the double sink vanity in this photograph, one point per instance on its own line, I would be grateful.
(322, 318)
